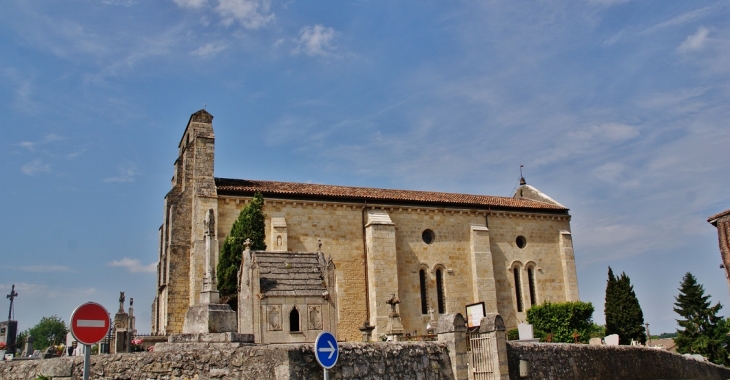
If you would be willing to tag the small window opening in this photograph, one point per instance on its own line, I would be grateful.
(518, 289)
(424, 293)
(531, 280)
(521, 242)
(440, 291)
(428, 236)
(294, 320)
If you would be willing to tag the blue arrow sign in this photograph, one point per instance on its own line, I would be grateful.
(326, 350)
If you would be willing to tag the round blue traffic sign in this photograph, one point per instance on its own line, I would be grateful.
(326, 350)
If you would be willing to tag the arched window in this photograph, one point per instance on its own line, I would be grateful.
(518, 288)
(531, 282)
(424, 292)
(440, 290)
(294, 320)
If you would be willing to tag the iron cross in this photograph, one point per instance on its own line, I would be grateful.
(11, 296)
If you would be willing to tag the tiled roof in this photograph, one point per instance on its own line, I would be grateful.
(718, 216)
(273, 188)
(289, 273)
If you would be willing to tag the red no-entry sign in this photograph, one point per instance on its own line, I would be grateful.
(89, 323)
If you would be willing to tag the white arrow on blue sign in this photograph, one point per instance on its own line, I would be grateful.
(326, 350)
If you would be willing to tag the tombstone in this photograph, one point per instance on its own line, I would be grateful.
(28, 350)
(595, 342)
(525, 331)
(611, 340)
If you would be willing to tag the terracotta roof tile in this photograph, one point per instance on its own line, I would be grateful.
(273, 188)
(718, 216)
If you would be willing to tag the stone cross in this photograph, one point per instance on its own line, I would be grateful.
(11, 297)
(575, 336)
(247, 244)
(393, 302)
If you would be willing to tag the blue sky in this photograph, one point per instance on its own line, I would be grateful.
(618, 109)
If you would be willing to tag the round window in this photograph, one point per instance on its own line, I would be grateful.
(521, 241)
(428, 236)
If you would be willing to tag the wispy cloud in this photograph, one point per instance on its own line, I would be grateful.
(134, 265)
(34, 167)
(209, 50)
(32, 145)
(191, 3)
(127, 173)
(695, 41)
(251, 14)
(685, 18)
(316, 40)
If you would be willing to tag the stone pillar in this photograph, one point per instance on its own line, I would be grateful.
(382, 266)
(493, 324)
(452, 332)
(567, 258)
(482, 267)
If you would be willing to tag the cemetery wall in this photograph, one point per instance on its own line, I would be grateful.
(582, 361)
(417, 360)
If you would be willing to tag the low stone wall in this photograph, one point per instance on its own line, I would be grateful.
(407, 361)
(582, 361)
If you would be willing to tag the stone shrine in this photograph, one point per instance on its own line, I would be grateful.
(123, 328)
(432, 249)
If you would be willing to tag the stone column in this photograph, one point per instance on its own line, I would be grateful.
(482, 267)
(452, 332)
(493, 324)
(382, 266)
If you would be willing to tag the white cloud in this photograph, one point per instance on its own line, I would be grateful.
(251, 14)
(316, 40)
(694, 42)
(126, 174)
(209, 50)
(134, 265)
(34, 167)
(191, 3)
(45, 268)
(608, 3)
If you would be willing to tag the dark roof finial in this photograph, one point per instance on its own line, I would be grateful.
(522, 178)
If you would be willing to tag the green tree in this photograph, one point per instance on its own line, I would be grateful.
(701, 330)
(562, 320)
(49, 331)
(623, 312)
(249, 225)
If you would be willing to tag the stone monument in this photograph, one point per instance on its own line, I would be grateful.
(208, 316)
(395, 326)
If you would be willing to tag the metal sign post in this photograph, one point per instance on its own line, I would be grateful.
(326, 351)
(89, 325)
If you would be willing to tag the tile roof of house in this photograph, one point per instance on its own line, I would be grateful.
(713, 218)
(289, 273)
(284, 189)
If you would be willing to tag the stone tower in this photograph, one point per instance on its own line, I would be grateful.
(182, 234)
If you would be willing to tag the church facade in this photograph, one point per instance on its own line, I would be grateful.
(434, 251)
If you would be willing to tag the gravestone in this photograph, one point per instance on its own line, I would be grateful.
(611, 340)
(525, 331)
(595, 342)
(28, 350)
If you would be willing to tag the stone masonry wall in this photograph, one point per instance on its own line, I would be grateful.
(407, 361)
(582, 361)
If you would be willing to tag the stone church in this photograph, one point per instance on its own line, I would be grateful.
(433, 251)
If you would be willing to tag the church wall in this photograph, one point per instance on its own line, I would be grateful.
(341, 229)
(449, 251)
(542, 249)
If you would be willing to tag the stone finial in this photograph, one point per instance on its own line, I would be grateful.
(247, 244)
(319, 245)
(491, 322)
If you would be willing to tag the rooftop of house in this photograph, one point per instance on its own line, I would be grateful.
(289, 273)
(227, 186)
(713, 219)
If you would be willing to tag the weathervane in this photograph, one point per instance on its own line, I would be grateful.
(11, 296)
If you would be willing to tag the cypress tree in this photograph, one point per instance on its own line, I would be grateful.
(623, 312)
(249, 225)
(701, 331)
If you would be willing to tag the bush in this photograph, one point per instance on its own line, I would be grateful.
(513, 334)
(562, 320)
